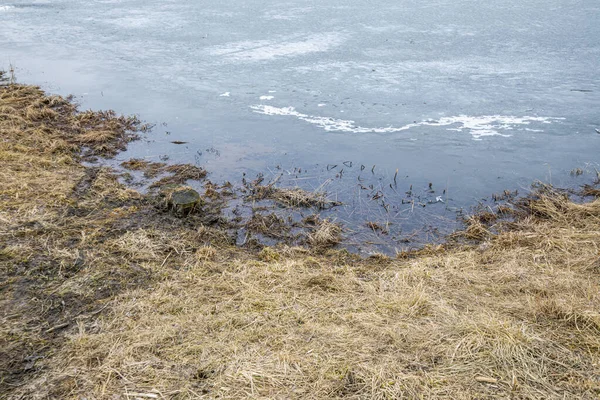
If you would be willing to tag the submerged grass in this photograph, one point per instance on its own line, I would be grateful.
(177, 174)
(290, 197)
(106, 296)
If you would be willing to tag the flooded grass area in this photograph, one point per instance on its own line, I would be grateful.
(374, 218)
(110, 292)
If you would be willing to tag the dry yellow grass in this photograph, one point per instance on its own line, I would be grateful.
(327, 234)
(105, 297)
(290, 197)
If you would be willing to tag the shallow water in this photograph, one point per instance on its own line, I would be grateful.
(472, 97)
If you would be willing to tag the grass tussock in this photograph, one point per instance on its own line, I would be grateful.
(294, 197)
(176, 174)
(326, 234)
(297, 197)
(591, 191)
(104, 296)
(149, 168)
(269, 225)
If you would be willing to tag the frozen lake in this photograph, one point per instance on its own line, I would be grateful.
(473, 97)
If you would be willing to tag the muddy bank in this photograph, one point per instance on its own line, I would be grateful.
(108, 293)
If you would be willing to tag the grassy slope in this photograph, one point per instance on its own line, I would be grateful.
(103, 295)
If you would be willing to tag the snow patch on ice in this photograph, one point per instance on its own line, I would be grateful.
(477, 126)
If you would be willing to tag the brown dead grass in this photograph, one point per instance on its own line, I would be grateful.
(297, 197)
(589, 190)
(326, 234)
(149, 168)
(52, 121)
(269, 225)
(292, 197)
(180, 174)
(177, 174)
(105, 297)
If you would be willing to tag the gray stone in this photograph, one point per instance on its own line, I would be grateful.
(183, 199)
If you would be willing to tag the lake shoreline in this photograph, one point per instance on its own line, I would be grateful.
(108, 292)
